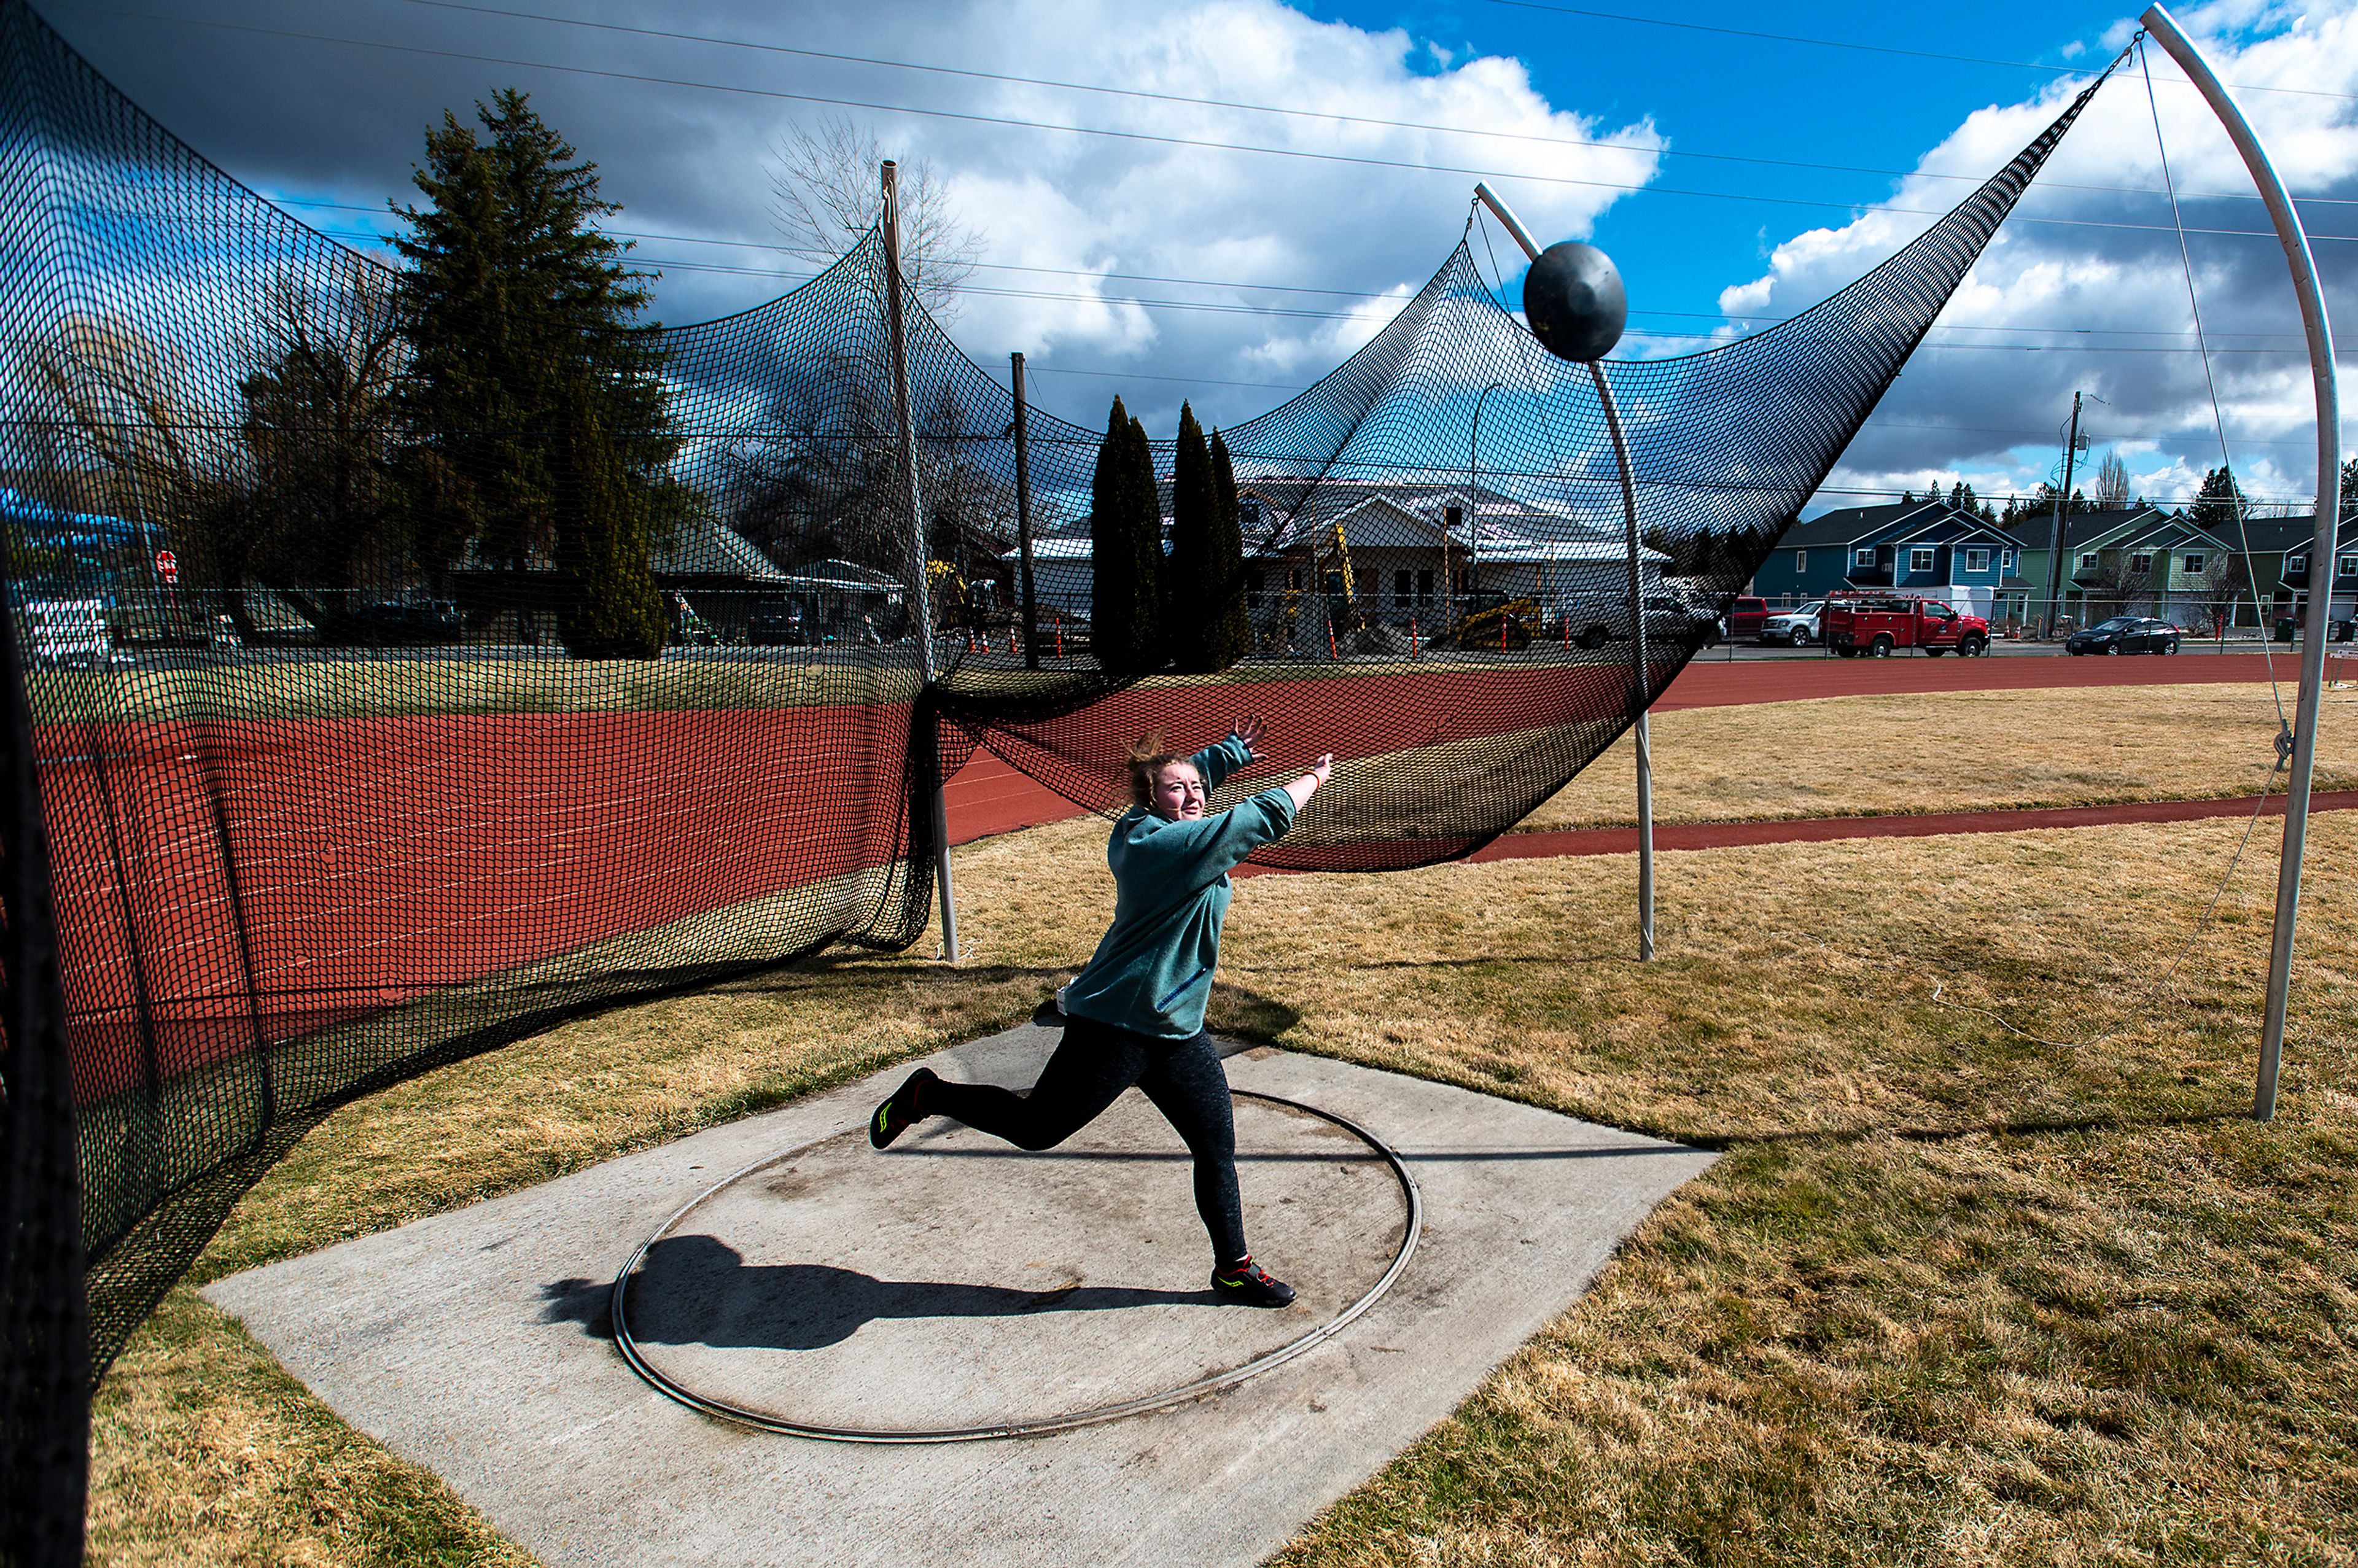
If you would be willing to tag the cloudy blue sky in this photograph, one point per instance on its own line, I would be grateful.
(1219, 199)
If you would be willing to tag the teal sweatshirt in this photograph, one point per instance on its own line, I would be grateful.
(1152, 972)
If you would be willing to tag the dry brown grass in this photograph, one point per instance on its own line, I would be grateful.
(1954, 1295)
(1857, 756)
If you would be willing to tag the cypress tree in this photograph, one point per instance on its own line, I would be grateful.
(1126, 550)
(1227, 631)
(533, 410)
(1190, 582)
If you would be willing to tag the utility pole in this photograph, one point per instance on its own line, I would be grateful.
(1023, 523)
(921, 588)
(2062, 508)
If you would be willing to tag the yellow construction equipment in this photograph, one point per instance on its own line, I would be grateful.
(1492, 621)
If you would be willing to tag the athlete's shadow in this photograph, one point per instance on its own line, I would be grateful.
(697, 1290)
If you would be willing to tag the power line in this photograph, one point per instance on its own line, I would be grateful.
(797, 280)
(1217, 307)
(1327, 116)
(1206, 143)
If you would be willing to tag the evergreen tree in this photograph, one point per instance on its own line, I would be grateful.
(533, 410)
(2348, 490)
(1126, 550)
(1204, 600)
(2220, 504)
(603, 547)
(1187, 579)
(1228, 629)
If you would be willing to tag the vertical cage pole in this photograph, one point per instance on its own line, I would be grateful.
(921, 588)
(1641, 677)
(2318, 329)
(1023, 521)
(1640, 674)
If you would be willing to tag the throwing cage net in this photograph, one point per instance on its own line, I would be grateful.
(330, 798)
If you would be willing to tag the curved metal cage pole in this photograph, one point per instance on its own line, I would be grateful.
(1640, 676)
(2319, 331)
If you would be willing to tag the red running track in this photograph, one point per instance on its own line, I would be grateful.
(987, 796)
(379, 858)
(376, 858)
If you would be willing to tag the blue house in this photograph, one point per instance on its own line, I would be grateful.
(1921, 546)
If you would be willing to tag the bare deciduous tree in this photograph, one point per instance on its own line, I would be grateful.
(828, 195)
(2112, 483)
(2224, 587)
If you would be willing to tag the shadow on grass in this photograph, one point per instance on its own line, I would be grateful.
(2034, 1128)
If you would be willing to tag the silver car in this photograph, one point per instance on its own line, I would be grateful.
(1796, 627)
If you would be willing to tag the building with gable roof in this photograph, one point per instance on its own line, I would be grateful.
(2136, 560)
(1913, 546)
(1416, 552)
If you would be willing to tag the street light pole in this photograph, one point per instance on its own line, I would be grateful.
(1473, 546)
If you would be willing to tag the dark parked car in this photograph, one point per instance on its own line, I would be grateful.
(2124, 634)
(779, 622)
(418, 621)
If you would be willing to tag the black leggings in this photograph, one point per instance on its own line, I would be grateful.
(1088, 1072)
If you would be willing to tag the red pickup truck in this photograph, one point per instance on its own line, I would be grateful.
(1876, 623)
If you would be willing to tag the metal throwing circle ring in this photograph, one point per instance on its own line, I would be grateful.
(1233, 1375)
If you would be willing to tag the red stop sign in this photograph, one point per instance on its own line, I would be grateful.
(168, 566)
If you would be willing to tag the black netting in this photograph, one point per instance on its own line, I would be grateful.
(332, 802)
(44, 1395)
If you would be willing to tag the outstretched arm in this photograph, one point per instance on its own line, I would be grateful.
(1302, 789)
(1215, 763)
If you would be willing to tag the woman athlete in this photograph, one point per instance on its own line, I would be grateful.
(1135, 1015)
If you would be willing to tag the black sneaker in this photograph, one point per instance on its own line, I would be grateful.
(1248, 1284)
(899, 1113)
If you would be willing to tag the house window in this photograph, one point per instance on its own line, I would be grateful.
(1453, 517)
(2006, 562)
(1864, 556)
(2141, 561)
(1977, 560)
(2088, 562)
(1801, 560)
(1424, 587)
(1402, 580)
(2195, 561)
(2346, 566)
(1920, 559)
(2295, 565)
(1249, 514)
(1252, 590)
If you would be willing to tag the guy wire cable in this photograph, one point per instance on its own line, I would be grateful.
(2259, 805)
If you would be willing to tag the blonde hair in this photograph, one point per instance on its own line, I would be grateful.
(1147, 761)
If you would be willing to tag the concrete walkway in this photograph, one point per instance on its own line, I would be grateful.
(948, 1280)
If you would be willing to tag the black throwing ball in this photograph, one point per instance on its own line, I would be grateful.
(1574, 299)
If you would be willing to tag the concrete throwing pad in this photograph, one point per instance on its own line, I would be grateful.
(825, 1294)
(953, 1279)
